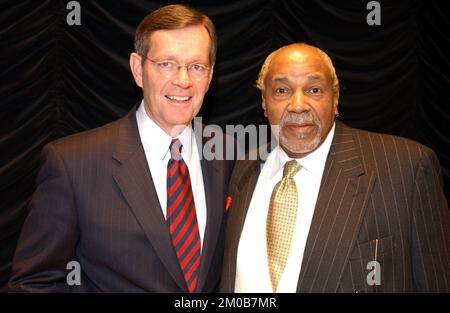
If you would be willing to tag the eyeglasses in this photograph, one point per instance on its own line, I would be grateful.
(170, 68)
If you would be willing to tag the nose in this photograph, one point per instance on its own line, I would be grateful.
(182, 78)
(298, 102)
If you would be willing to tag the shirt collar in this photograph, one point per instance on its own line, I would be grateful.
(159, 141)
(314, 162)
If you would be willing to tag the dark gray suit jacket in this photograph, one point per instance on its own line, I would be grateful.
(95, 203)
(374, 187)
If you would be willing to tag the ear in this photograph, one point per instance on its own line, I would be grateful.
(211, 71)
(336, 102)
(264, 105)
(136, 68)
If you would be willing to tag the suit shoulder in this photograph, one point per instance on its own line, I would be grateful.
(97, 139)
(391, 145)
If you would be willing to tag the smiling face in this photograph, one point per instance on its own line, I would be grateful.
(298, 98)
(173, 101)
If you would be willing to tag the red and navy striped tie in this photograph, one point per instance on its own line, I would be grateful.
(181, 216)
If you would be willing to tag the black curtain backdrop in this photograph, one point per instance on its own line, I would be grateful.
(57, 79)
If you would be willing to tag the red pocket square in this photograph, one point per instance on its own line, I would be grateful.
(228, 203)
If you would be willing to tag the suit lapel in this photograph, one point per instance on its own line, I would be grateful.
(246, 186)
(213, 172)
(246, 183)
(241, 191)
(136, 184)
(343, 197)
(214, 207)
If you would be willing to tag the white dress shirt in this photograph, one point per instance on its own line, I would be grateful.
(252, 272)
(156, 144)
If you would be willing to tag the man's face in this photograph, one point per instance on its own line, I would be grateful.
(299, 98)
(173, 100)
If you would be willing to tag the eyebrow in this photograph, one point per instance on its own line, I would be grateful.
(280, 80)
(310, 78)
(171, 57)
(315, 77)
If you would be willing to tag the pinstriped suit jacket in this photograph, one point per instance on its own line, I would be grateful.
(374, 186)
(96, 204)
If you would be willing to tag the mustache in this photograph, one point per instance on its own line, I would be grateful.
(299, 118)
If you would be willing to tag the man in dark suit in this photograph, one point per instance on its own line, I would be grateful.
(133, 202)
(332, 208)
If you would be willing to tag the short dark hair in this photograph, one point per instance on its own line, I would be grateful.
(175, 16)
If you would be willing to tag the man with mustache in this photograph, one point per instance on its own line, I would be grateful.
(332, 208)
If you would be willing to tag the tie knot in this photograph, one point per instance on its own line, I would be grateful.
(291, 168)
(175, 149)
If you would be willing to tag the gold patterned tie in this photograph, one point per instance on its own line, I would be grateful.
(281, 222)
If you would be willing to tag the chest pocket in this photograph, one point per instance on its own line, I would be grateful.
(364, 275)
